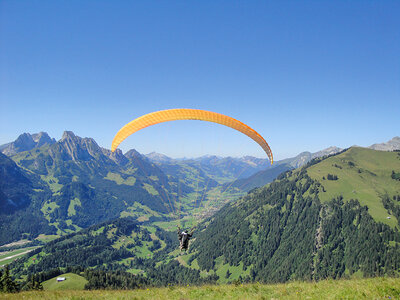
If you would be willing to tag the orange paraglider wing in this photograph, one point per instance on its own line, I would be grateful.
(188, 114)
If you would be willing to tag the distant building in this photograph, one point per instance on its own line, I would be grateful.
(387, 217)
(59, 279)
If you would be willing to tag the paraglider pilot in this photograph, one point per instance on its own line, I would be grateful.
(184, 238)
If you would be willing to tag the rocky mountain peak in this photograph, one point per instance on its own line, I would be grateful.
(79, 148)
(327, 151)
(68, 135)
(133, 154)
(158, 157)
(26, 142)
(393, 144)
(117, 156)
(42, 138)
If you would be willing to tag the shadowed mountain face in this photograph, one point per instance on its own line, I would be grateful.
(21, 197)
(15, 187)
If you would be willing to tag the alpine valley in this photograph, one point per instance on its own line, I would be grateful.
(56, 187)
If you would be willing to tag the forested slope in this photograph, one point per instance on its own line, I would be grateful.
(108, 255)
(284, 231)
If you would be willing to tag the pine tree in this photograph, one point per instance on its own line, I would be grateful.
(34, 283)
(7, 284)
(1, 280)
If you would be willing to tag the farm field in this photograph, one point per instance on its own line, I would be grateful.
(9, 256)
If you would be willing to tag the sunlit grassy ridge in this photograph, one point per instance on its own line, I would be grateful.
(363, 174)
(372, 288)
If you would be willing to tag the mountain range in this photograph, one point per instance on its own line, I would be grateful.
(58, 187)
(73, 183)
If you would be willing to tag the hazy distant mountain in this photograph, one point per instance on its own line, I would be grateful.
(220, 169)
(268, 175)
(27, 142)
(304, 157)
(393, 144)
(158, 157)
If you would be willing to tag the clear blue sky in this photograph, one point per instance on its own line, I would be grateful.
(305, 74)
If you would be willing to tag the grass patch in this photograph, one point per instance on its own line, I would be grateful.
(98, 231)
(119, 180)
(52, 182)
(48, 207)
(234, 271)
(372, 288)
(140, 212)
(47, 238)
(71, 208)
(143, 251)
(72, 282)
(150, 189)
(135, 271)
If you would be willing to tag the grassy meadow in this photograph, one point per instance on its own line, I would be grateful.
(372, 288)
(72, 282)
(363, 174)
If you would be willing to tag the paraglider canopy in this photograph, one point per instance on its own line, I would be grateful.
(188, 114)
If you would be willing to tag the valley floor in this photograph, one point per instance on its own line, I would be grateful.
(372, 288)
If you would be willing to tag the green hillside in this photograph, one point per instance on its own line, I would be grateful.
(305, 227)
(72, 282)
(362, 174)
(121, 244)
